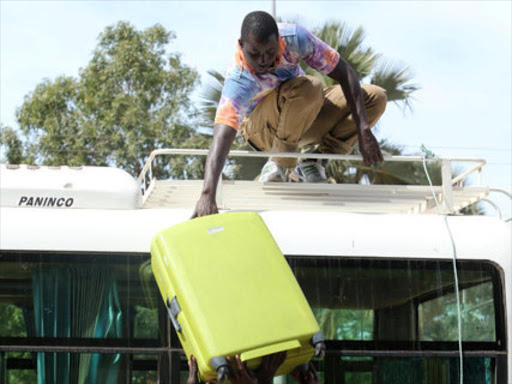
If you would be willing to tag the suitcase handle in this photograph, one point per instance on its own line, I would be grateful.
(174, 309)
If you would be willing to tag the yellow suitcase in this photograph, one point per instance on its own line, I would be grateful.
(229, 290)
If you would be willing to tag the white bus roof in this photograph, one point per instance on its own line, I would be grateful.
(68, 187)
(102, 209)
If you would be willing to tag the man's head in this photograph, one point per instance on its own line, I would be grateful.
(259, 41)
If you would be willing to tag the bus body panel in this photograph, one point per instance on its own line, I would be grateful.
(307, 233)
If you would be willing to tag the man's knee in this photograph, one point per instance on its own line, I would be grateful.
(376, 98)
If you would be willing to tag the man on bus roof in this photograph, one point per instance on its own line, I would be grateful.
(276, 107)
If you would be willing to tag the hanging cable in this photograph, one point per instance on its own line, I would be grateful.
(455, 274)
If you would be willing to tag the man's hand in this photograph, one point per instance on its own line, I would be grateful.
(308, 377)
(192, 371)
(205, 206)
(369, 148)
(269, 366)
(241, 374)
(349, 82)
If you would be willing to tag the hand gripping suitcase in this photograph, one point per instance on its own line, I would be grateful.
(229, 290)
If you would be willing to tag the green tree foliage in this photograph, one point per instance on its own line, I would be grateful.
(14, 146)
(438, 317)
(12, 324)
(131, 98)
(345, 324)
(12, 321)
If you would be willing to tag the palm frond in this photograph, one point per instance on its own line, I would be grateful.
(210, 96)
(391, 149)
(395, 79)
(349, 44)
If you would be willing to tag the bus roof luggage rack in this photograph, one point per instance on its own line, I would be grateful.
(254, 195)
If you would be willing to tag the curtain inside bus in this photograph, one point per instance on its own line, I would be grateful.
(76, 302)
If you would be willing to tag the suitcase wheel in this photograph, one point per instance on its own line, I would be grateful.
(220, 364)
(223, 374)
(318, 342)
(320, 350)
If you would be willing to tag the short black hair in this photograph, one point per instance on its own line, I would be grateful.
(261, 24)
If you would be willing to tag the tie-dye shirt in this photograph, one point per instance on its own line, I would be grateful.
(244, 89)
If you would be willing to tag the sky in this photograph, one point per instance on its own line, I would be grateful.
(460, 53)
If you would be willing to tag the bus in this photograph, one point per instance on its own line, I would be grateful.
(402, 293)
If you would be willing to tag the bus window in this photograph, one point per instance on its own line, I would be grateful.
(396, 319)
(58, 304)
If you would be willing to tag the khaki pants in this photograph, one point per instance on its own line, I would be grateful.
(300, 112)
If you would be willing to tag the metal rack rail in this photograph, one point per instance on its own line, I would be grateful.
(254, 195)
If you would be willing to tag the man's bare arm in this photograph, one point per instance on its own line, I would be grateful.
(223, 137)
(344, 74)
